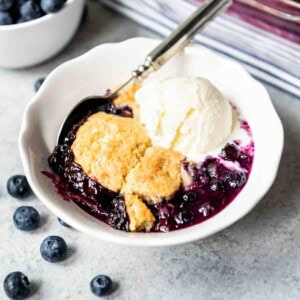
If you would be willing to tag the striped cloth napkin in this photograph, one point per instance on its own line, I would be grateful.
(268, 57)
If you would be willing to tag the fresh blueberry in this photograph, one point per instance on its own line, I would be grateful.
(39, 83)
(101, 285)
(22, 20)
(16, 286)
(26, 218)
(230, 152)
(63, 223)
(5, 18)
(30, 10)
(20, 2)
(18, 187)
(6, 4)
(54, 249)
(235, 180)
(15, 12)
(52, 6)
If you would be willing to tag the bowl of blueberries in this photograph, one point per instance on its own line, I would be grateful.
(32, 31)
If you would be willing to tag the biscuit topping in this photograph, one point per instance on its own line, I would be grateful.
(108, 146)
(140, 216)
(116, 152)
(156, 176)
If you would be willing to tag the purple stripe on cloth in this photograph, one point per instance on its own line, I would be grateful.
(277, 24)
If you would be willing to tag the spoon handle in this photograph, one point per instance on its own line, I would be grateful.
(180, 37)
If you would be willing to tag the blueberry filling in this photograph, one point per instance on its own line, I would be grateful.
(212, 187)
(230, 152)
(124, 111)
(74, 185)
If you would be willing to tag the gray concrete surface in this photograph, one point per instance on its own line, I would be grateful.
(257, 258)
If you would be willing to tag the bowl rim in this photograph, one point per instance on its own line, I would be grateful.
(47, 17)
(153, 242)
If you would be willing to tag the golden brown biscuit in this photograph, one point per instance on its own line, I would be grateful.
(140, 216)
(108, 147)
(156, 176)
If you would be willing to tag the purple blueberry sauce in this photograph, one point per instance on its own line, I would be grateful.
(212, 185)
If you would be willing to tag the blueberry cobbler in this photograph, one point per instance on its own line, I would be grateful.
(166, 155)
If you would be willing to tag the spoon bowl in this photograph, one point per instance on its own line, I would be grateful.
(86, 107)
(82, 110)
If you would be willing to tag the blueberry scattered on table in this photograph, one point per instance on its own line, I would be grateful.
(18, 187)
(38, 83)
(6, 4)
(52, 6)
(26, 218)
(63, 223)
(54, 249)
(101, 285)
(16, 286)
(5, 18)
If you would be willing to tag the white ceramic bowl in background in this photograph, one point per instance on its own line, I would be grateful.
(109, 65)
(30, 43)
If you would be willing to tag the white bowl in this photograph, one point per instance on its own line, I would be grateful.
(30, 43)
(107, 66)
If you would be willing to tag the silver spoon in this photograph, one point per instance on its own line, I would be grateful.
(177, 40)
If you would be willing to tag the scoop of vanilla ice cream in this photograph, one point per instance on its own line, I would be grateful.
(185, 114)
